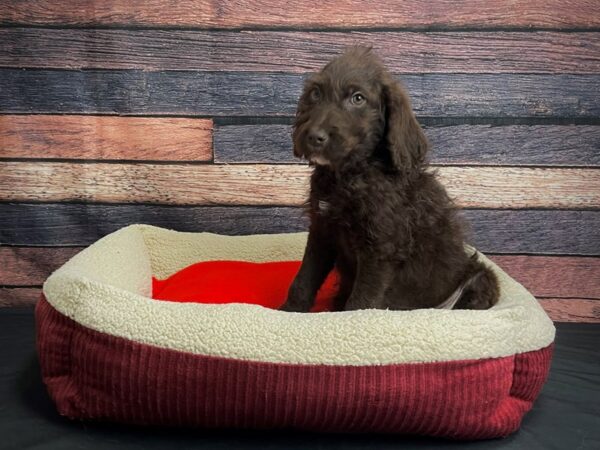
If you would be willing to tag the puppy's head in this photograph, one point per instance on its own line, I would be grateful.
(353, 111)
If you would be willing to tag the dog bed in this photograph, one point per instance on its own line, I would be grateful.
(110, 351)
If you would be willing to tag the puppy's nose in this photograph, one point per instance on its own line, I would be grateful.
(317, 137)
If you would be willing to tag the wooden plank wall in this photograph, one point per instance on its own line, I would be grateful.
(178, 114)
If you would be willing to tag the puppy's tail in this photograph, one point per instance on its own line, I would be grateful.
(481, 290)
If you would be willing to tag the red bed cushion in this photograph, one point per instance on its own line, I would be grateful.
(263, 284)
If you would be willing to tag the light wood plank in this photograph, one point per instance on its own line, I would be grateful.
(305, 13)
(554, 145)
(258, 94)
(298, 52)
(572, 310)
(167, 184)
(518, 187)
(105, 137)
(257, 184)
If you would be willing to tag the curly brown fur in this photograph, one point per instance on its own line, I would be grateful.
(377, 212)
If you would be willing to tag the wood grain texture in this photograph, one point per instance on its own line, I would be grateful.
(12, 297)
(535, 231)
(554, 276)
(305, 13)
(543, 276)
(30, 266)
(152, 183)
(573, 145)
(559, 310)
(257, 94)
(83, 224)
(550, 232)
(572, 310)
(261, 184)
(105, 137)
(269, 51)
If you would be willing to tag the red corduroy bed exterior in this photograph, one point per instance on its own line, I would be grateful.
(111, 352)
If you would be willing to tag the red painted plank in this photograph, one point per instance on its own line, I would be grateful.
(572, 310)
(554, 276)
(30, 266)
(306, 13)
(19, 296)
(105, 137)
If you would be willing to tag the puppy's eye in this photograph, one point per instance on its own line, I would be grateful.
(357, 99)
(314, 95)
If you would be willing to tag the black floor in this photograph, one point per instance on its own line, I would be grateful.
(566, 415)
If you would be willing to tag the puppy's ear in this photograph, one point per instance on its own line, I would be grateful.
(295, 129)
(297, 152)
(301, 115)
(404, 137)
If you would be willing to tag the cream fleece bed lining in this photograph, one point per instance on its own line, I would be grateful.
(107, 288)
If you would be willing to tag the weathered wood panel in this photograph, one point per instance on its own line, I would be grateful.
(492, 231)
(261, 184)
(83, 224)
(543, 276)
(268, 51)
(144, 183)
(30, 266)
(554, 276)
(535, 231)
(19, 296)
(305, 13)
(520, 187)
(105, 137)
(256, 94)
(572, 145)
(572, 310)
(559, 310)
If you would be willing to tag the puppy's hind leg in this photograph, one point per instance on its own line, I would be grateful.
(373, 277)
(482, 290)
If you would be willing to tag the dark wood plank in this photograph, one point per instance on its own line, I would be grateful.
(11, 297)
(250, 94)
(554, 276)
(492, 231)
(262, 184)
(269, 51)
(573, 145)
(543, 276)
(535, 231)
(516, 144)
(572, 309)
(105, 137)
(83, 224)
(274, 13)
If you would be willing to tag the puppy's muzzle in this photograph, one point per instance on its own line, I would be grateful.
(317, 138)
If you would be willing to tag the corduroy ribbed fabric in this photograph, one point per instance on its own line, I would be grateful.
(92, 375)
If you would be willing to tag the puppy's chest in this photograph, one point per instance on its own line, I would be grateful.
(341, 204)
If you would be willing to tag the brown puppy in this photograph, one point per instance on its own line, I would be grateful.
(377, 213)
